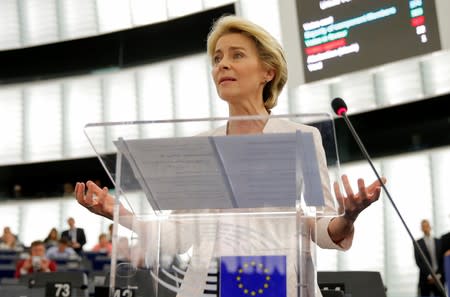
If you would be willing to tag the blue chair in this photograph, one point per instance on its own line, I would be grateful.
(100, 263)
(9, 253)
(91, 255)
(7, 270)
(8, 259)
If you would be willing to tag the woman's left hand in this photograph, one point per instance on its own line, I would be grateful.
(353, 203)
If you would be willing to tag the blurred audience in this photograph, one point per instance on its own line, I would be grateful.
(68, 189)
(103, 244)
(10, 241)
(75, 236)
(110, 232)
(5, 235)
(123, 249)
(17, 191)
(61, 251)
(36, 262)
(52, 238)
(445, 244)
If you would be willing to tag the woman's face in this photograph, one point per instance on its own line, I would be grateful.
(237, 69)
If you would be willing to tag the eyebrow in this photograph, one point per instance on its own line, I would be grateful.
(231, 48)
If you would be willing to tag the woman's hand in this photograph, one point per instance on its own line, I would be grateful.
(341, 227)
(95, 199)
(354, 204)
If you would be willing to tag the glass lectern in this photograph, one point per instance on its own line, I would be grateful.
(212, 214)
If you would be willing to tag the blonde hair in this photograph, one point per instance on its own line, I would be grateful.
(269, 50)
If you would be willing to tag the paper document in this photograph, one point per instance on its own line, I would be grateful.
(243, 171)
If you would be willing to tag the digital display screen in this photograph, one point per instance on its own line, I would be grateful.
(341, 36)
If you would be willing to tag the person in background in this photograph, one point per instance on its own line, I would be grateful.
(37, 262)
(103, 244)
(68, 189)
(444, 256)
(75, 236)
(110, 232)
(52, 238)
(431, 247)
(61, 251)
(249, 71)
(10, 241)
(17, 191)
(123, 249)
(5, 235)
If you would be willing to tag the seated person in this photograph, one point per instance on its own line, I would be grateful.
(37, 262)
(9, 241)
(123, 249)
(103, 245)
(52, 238)
(61, 251)
(6, 232)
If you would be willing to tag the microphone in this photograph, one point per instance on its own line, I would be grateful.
(340, 108)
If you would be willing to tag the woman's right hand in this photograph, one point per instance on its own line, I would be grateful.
(95, 199)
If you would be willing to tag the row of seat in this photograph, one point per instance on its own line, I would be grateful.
(81, 285)
(69, 283)
(89, 262)
(332, 284)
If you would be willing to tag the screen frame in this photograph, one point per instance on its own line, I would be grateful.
(293, 49)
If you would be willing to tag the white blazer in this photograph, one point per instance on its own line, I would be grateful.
(199, 262)
(275, 125)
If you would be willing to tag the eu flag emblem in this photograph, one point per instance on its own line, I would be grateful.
(249, 276)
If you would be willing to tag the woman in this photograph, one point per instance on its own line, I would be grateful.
(9, 241)
(249, 72)
(103, 244)
(52, 238)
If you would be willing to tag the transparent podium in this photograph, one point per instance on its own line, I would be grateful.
(199, 211)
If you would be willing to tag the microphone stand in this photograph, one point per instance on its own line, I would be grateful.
(416, 245)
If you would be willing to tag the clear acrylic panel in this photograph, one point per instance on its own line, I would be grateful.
(217, 214)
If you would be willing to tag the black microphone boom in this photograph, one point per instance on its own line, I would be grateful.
(340, 108)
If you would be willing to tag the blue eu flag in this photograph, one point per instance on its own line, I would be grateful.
(248, 276)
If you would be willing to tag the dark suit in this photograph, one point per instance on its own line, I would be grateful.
(80, 237)
(424, 286)
(445, 244)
